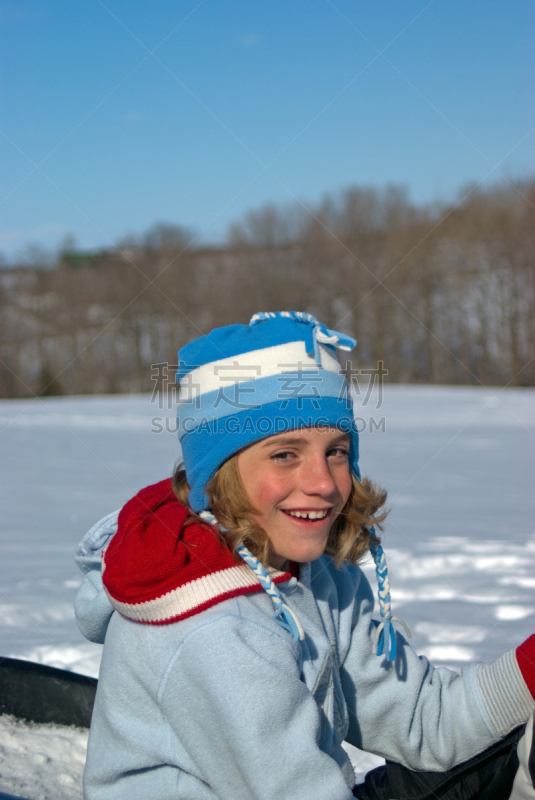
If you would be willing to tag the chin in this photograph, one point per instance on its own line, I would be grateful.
(310, 555)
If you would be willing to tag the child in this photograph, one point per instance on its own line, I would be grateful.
(244, 651)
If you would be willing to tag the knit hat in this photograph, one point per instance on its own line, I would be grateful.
(242, 383)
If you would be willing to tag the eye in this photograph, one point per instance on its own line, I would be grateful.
(340, 452)
(284, 455)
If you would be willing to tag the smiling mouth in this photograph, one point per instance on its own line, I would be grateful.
(311, 516)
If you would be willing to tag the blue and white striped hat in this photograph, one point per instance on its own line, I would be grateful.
(243, 383)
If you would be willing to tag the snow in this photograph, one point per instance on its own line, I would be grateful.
(41, 762)
(458, 464)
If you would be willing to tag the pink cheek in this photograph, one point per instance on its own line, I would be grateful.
(263, 494)
(267, 495)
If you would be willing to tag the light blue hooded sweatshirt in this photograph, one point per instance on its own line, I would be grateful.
(224, 704)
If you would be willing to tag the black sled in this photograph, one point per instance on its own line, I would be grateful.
(45, 694)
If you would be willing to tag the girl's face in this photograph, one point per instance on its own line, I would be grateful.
(299, 482)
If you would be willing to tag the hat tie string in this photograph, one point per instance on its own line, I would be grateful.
(317, 334)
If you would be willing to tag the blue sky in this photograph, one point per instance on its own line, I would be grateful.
(192, 112)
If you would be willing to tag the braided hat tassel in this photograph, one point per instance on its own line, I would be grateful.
(385, 637)
(283, 616)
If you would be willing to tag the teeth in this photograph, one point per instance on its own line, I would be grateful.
(309, 514)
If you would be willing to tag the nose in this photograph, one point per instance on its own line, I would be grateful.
(317, 476)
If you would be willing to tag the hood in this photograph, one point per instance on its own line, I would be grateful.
(92, 606)
(156, 570)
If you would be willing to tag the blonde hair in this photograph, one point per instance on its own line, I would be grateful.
(349, 537)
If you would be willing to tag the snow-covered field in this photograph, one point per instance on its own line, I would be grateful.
(41, 762)
(460, 540)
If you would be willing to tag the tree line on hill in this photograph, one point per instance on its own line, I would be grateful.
(441, 295)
